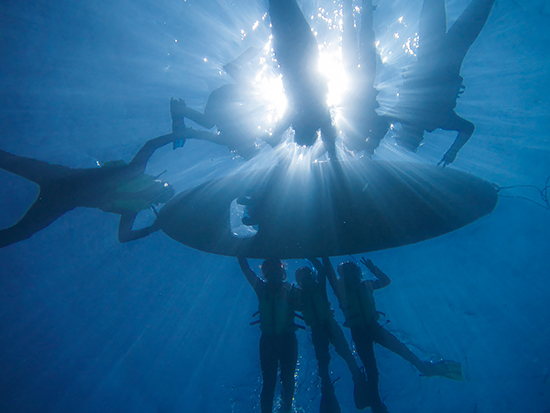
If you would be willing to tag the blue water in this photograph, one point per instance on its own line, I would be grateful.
(91, 325)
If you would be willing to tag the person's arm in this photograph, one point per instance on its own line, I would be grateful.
(250, 276)
(321, 273)
(331, 275)
(382, 279)
(125, 231)
(465, 130)
(141, 158)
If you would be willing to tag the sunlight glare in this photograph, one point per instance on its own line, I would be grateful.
(332, 68)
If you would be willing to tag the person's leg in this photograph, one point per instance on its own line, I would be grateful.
(294, 44)
(367, 39)
(361, 391)
(350, 52)
(289, 359)
(41, 214)
(341, 346)
(320, 338)
(320, 341)
(432, 26)
(465, 30)
(363, 339)
(388, 340)
(268, 363)
(34, 170)
(364, 346)
(297, 54)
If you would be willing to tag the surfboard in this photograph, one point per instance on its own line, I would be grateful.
(325, 209)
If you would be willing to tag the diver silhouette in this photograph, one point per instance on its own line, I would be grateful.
(319, 316)
(115, 187)
(278, 344)
(230, 108)
(297, 54)
(432, 84)
(356, 300)
(363, 127)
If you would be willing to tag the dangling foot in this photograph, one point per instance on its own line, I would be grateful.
(362, 395)
(444, 368)
(329, 402)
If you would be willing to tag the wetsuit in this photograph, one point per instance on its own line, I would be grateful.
(278, 343)
(116, 187)
(428, 96)
(318, 315)
(357, 303)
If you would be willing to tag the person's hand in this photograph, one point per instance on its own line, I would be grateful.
(367, 263)
(177, 108)
(448, 158)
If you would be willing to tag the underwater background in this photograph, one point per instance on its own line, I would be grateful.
(91, 325)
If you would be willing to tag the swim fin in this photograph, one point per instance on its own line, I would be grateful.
(444, 368)
(178, 143)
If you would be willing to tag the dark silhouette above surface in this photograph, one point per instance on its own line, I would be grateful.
(362, 125)
(231, 108)
(432, 84)
(297, 54)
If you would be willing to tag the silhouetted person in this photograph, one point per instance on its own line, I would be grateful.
(363, 127)
(115, 187)
(297, 53)
(278, 344)
(231, 108)
(356, 300)
(431, 86)
(318, 315)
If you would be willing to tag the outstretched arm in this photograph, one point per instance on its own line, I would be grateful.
(125, 231)
(141, 158)
(331, 275)
(251, 277)
(382, 281)
(321, 273)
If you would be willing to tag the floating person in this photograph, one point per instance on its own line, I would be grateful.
(297, 54)
(318, 315)
(231, 109)
(278, 344)
(356, 300)
(363, 127)
(432, 85)
(115, 187)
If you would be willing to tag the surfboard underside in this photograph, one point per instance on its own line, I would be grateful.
(357, 207)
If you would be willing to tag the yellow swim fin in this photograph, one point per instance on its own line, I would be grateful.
(444, 368)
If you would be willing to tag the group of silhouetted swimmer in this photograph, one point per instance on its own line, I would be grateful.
(427, 97)
(427, 100)
(278, 302)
